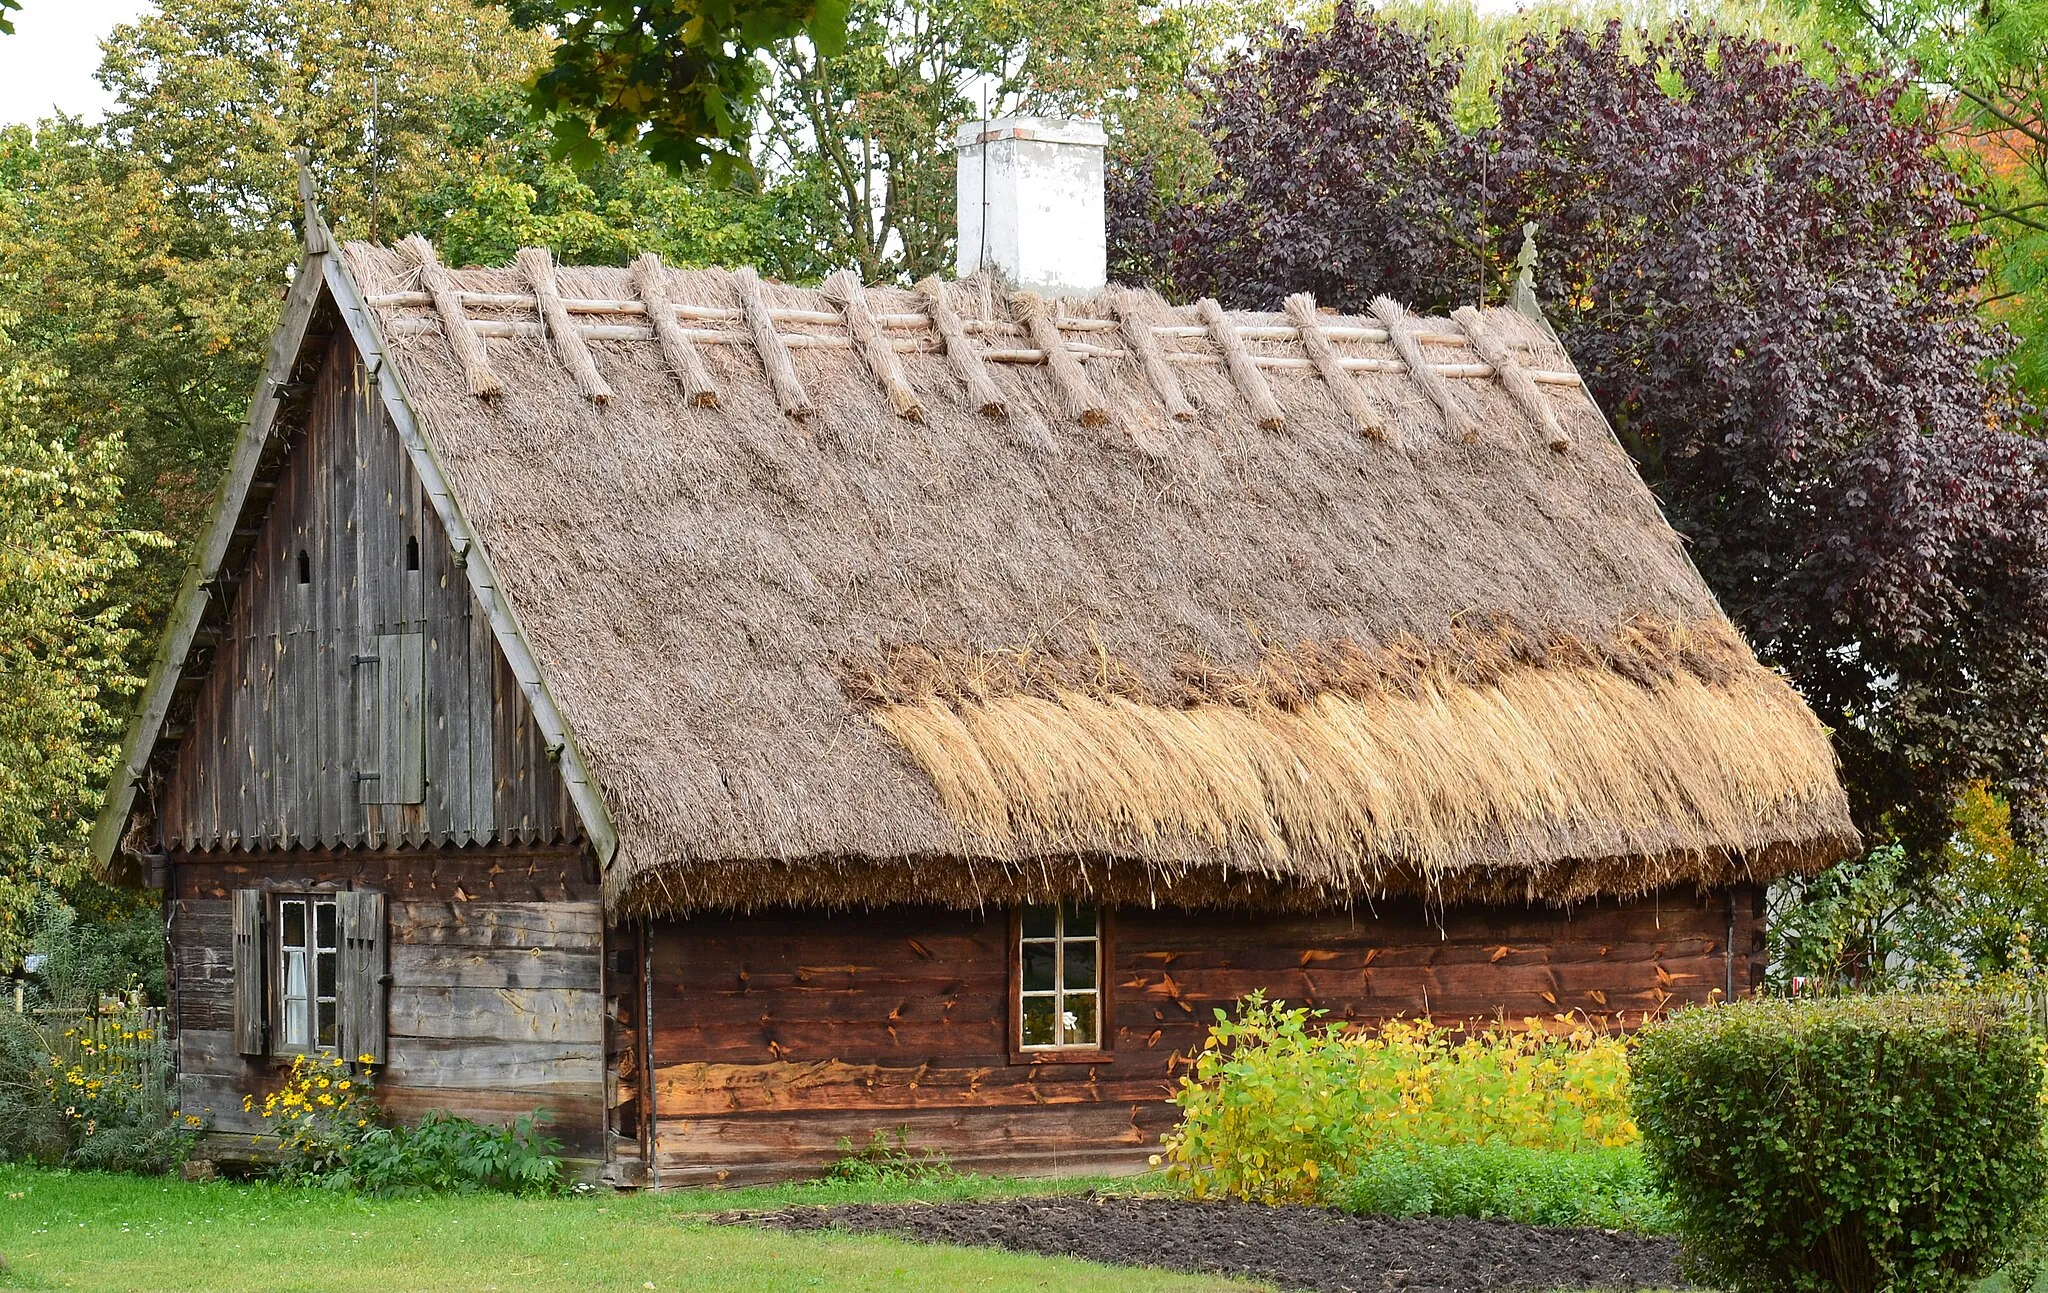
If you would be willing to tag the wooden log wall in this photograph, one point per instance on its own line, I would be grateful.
(496, 1005)
(300, 706)
(775, 1036)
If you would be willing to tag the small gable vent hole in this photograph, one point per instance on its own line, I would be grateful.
(412, 552)
(305, 567)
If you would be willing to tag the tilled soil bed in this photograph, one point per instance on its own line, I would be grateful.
(1301, 1248)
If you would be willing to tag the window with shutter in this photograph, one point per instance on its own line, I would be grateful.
(365, 976)
(308, 972)
(391, 719)
(251, 1003)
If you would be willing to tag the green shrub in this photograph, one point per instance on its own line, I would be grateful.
(1609, 1188)
(442, 1154)
(1856, 1143)
(329, 1128)
(1281, 1110)
(84, 1081)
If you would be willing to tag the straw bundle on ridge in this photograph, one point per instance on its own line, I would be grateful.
(949, 596)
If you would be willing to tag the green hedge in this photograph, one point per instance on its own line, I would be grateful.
(1856, 1143)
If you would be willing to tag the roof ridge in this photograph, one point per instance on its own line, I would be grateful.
(879, 335)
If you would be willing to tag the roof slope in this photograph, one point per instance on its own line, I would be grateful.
(1387, 609)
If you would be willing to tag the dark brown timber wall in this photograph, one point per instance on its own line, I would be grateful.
(496, 985)
(776, 1036)
(357, 696)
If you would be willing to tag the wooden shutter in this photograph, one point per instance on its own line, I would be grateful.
(252, 1004)
(365, 975)
(391, 720)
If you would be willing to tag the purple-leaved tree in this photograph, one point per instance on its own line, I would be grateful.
(1758, 271)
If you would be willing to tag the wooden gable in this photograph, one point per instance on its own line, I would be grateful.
(356, 696)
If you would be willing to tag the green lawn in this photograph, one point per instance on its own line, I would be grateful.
(66, 1230)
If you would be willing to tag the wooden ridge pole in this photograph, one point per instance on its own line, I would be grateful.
(1301, 308)
(538, 267)
(1512, 375)
(1402, 334)
(455, 325)
(1251, 383)
(1077, 393)
(769, 345)
(960, 351)
(650, 280)
(844, 290)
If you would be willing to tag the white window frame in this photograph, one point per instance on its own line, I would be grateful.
(1064, 936)
(300, 1002)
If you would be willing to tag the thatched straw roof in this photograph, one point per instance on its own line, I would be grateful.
(861, 596)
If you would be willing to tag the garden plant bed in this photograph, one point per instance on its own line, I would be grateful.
(1293, 1247)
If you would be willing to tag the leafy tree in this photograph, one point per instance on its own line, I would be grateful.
(63, 641)
(677, 77)
(1981, 75)
(1755, 268)
(1885, 922)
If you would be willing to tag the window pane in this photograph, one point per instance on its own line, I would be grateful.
(1038, 922)
(1038, 1021)
(323, 923)
(294, 974)
(324, 977)
(1081, 922)
(295, 1023)
(327, 1023)
(1077, 1024)
(1080, 964)
(294, 925)
(1038, 967)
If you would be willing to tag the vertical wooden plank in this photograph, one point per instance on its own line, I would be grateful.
(369, 711)
(251, 1002)
(481, 663)
(345, 600)
(317, 722)
(310, 723)
(255, 658)
(412, 575)
(447, 689)
(407, 757)
(509, 768)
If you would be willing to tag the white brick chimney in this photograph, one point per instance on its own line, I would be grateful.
(1030, 203)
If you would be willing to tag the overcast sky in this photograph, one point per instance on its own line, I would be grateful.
(50, 59)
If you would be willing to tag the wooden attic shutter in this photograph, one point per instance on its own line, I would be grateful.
(365, 975)
(252, 1014)
(391, 719)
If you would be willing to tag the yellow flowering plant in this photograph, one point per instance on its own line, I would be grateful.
(1280, 1109)
(324, 1111)
(96, 1090)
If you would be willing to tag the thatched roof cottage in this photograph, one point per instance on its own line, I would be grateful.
(735, 716)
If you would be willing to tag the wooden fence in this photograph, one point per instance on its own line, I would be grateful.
(116, 1036)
